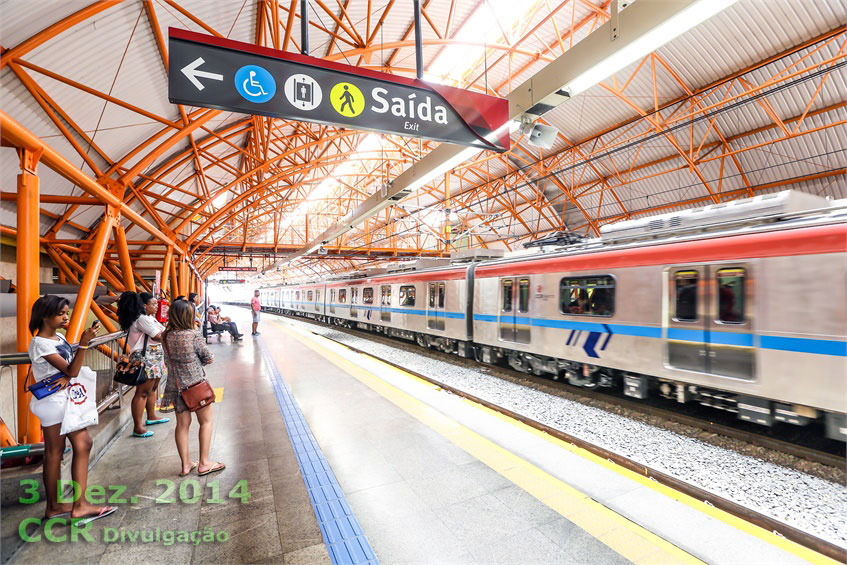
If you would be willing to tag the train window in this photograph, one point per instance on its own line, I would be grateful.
(317, 298)
(367, 296)
(342, 295)
(587, 296)
(441, 292)
(332, 296)
(407, 295)
(507, 295)
(310, 296)
(385, 295)
(731, 295)
(354, 296)
(523, 295)
(685, 283)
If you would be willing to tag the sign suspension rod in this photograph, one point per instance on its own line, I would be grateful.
(418, 40)
(304, 27)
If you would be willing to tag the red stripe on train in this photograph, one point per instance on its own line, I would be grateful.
(803, 241)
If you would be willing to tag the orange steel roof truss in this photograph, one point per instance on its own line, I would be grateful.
(217, 189)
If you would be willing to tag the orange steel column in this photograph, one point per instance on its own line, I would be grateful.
(183, 277)
(89, 279)
(174, 280)
(27, 283)
(166, 269)
(123, 255)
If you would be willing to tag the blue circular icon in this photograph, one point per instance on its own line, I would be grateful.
(255, 84)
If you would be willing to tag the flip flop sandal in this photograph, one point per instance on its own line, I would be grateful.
(59, 515)
(193, 466)
(215, 468)
(154, 422)
(83, 520)
(165, 408)
(148, 433)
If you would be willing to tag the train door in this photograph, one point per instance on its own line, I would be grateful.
(435, 305)
(354, 300)
(385, 303)
(709, 327)
(332, 301)
(514, 322)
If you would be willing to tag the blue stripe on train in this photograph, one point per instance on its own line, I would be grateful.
(777, 343)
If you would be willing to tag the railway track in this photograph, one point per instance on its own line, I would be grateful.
(789, 532)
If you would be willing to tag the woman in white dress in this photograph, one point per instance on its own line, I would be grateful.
(50, 353)
(136, 317)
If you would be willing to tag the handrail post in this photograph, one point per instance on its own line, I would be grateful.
(28, 282)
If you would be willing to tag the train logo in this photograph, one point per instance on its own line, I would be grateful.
(591, 340)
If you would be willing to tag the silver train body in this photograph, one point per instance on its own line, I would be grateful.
(748, 316)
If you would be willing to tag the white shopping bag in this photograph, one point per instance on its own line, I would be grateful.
(81, 411)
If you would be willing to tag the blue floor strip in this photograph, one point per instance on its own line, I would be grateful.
(342, 534)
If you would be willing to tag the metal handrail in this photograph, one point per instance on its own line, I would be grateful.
(22, 358)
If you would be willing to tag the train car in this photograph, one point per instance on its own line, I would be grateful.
(748, 317)
(741, 306)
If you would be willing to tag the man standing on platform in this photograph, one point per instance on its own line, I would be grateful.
(256, 308)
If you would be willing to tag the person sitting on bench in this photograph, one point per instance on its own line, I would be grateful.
(219, 325)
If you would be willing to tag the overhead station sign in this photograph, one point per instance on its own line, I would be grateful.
(230, 75)
(236, 269)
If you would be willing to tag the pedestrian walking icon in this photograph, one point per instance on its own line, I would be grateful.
(347, 99)
(302, 92)
(255, 84)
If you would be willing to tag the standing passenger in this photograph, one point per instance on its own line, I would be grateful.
(185, 355)
(135, 315)
(256, 308)
(50, 353)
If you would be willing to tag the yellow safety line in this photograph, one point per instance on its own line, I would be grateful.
(627, 538)
(738, 523)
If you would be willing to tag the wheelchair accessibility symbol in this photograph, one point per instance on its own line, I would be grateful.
(255, 84)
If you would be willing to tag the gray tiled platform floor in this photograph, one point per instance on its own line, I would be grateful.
(418, 497)
(277, 525)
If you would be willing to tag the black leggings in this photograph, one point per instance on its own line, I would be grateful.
(228, 326)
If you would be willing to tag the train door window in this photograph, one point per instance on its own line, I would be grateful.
(317, 299)
(435, 311)
(685, 307)
(407, 295)
(342, 296)
(332, 301)
(523, 295)
(367, 296)
(310, 296)
(385, 303)
(730, 284)
(354, 300)
(507, 294)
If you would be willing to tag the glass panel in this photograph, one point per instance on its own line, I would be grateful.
(407, 296)
(432, 295)
(385, 296)
(731, 295)
(368, 296)
(587, 296)
(523, 295)
(685, 283)
(342, 295)
(507, 295)
(309, 296)
(441, 291)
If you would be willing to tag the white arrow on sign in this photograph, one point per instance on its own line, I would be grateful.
(192, 73)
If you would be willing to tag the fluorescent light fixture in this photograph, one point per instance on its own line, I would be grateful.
(698, 12)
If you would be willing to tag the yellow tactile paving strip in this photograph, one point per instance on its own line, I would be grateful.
(619, 533)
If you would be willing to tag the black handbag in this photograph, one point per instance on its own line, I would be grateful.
(129, 372)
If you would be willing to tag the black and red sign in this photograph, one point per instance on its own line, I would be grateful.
(236, 269)
(221, 73)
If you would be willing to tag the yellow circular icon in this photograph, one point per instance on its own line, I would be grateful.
(347, 99)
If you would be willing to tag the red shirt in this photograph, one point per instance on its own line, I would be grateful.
(255, 303)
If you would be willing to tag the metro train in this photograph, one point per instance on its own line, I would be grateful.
(741, 306)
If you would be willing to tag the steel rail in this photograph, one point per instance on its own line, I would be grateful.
(791, 533)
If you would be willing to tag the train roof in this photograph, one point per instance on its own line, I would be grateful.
(770, 212)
